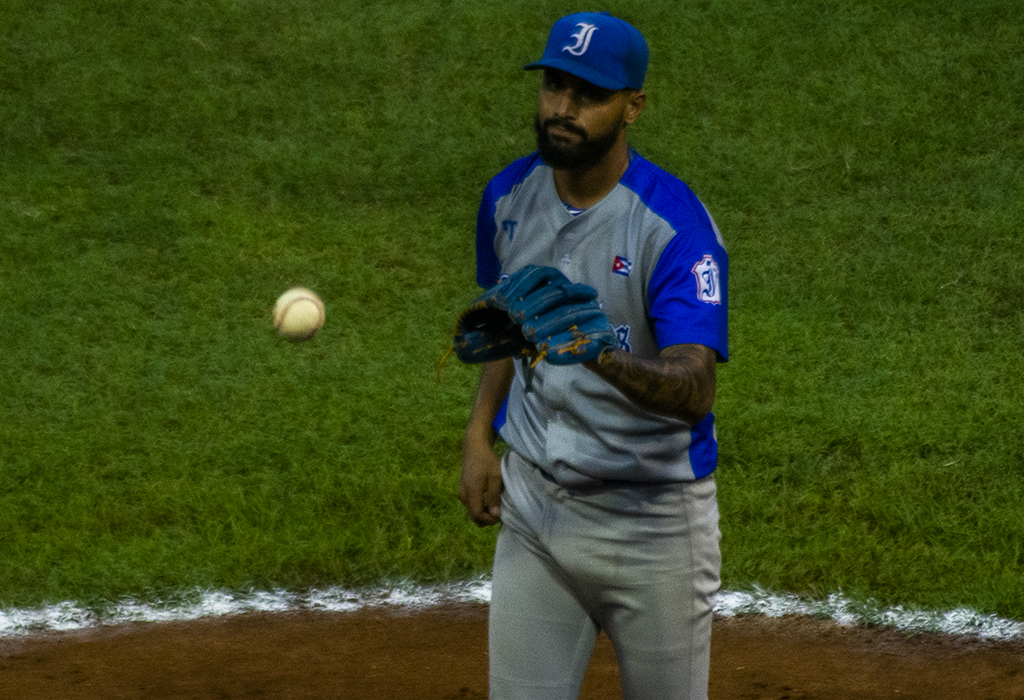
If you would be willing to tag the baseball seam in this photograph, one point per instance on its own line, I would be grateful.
(279, 321)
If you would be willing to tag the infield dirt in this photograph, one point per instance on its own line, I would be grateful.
(441, 653)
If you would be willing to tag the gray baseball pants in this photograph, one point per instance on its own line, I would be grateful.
(640, 562)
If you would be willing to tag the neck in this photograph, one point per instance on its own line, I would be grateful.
(586, 187)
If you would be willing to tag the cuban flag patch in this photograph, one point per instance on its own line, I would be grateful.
(622, 266)
(708, 289)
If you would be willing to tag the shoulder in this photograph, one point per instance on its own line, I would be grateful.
(667, 197)
(513, 175)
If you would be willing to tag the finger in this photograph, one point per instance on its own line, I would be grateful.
(486, 520)
(529, 279)
(494, 498)
(551, 297)
(476, 506)
(561, 320)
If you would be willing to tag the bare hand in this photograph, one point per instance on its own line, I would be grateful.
(480, 488)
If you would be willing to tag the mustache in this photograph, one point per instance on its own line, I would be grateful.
(563, 124)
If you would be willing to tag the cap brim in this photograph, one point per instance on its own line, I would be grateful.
(580, 71)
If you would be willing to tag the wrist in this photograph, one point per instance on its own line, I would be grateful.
(604, 361)
(606, 357)
(479, 435)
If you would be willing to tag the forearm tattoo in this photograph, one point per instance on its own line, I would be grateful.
(679, 383)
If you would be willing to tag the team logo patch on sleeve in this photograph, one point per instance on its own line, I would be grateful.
(622, 266)
(708, 289)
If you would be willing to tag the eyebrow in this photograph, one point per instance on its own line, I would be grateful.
(584, 87)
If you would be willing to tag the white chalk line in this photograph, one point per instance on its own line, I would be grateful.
(69, 616)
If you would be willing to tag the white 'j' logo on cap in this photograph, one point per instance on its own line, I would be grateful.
(582, 38)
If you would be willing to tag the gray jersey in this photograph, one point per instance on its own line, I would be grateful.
(654, 255)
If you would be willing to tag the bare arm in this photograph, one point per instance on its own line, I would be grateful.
(679, 383)
(480, 486)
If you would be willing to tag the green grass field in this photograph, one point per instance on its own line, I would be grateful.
(168, 168)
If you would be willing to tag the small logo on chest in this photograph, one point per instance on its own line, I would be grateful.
(622, 266)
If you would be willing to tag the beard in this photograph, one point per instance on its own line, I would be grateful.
(563, 156)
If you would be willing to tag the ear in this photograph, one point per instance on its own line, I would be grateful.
(635, 105)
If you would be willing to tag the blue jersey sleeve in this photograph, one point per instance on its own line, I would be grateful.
(688, 292)
(687, 288)
(488, 267)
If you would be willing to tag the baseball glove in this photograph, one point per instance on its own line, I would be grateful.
(535, 313)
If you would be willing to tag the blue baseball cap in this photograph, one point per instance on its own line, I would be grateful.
(597, 47)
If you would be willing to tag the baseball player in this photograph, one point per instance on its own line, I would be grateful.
(606, 499)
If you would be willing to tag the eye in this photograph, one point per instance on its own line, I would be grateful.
(553, 80)
(593, 93)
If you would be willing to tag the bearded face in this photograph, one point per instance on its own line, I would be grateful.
(583, 152)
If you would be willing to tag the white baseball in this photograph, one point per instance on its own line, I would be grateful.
(298, 314)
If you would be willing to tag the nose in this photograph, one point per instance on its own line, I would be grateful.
(565, 103)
